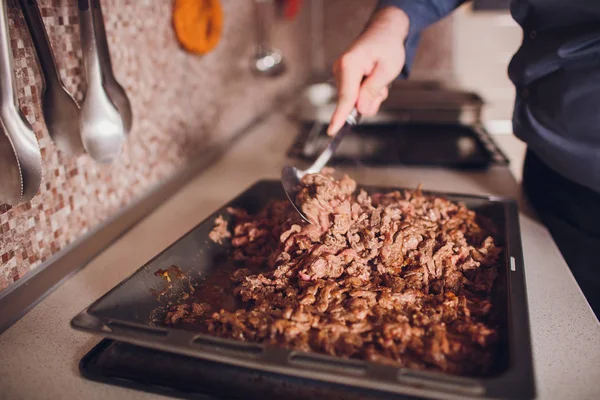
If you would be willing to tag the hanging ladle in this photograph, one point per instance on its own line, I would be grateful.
(267, 61)
(106, 116)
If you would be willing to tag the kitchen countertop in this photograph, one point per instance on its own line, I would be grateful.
(40, 353)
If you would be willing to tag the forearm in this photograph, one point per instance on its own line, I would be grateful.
(421, 14)
(384, 50)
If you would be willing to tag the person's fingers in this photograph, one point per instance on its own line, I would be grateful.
(373, 106)
(349, 76)
(373, 85)
(385, 92)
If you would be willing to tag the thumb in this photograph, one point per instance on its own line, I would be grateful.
(371, 88)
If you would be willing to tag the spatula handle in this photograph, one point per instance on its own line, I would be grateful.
(352, 120)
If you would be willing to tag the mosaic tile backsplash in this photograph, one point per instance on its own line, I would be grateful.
(180, 103)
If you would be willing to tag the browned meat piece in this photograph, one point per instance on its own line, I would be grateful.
(198, 309)
(169, 274)
(220, 231)
(399, 278)
(177, 313)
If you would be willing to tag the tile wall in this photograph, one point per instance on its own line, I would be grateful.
(180, 103)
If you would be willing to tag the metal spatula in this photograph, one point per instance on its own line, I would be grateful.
(291, 177)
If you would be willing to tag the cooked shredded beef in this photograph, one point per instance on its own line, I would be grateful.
(400, 278)
(219, 232)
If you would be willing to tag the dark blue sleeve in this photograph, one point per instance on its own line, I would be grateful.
(421, 14)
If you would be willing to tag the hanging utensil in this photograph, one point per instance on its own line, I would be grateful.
(288, 9)
(291, 177)
(116, 92)
(198, 24)
(267, 61)
(320, 71)
(106, 116)
(20, 157)
(61, 112)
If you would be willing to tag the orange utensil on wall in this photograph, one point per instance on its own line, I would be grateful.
(198, 24)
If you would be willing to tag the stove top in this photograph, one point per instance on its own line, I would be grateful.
(414, 144)
(127, 365)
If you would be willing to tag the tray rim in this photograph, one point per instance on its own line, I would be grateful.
(86, 370)
(518, 381)
(493, 153)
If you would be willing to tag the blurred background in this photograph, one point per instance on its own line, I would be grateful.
(183, 102)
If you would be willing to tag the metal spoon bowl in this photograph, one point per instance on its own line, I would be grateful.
(291, 177)
(105, 110)
(115, 91)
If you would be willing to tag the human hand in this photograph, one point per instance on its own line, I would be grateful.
(372, 62)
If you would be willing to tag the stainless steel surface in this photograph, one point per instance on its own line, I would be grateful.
(106, 115)
(291, 177)
(267, 61)
(20, 158)
(60, 110)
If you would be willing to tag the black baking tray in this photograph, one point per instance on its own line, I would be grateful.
(135, 367)
(126, 313)
(410, 144)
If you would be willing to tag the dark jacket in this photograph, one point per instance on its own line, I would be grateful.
(556, 72)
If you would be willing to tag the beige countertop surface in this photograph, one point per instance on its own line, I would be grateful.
(39, 354)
